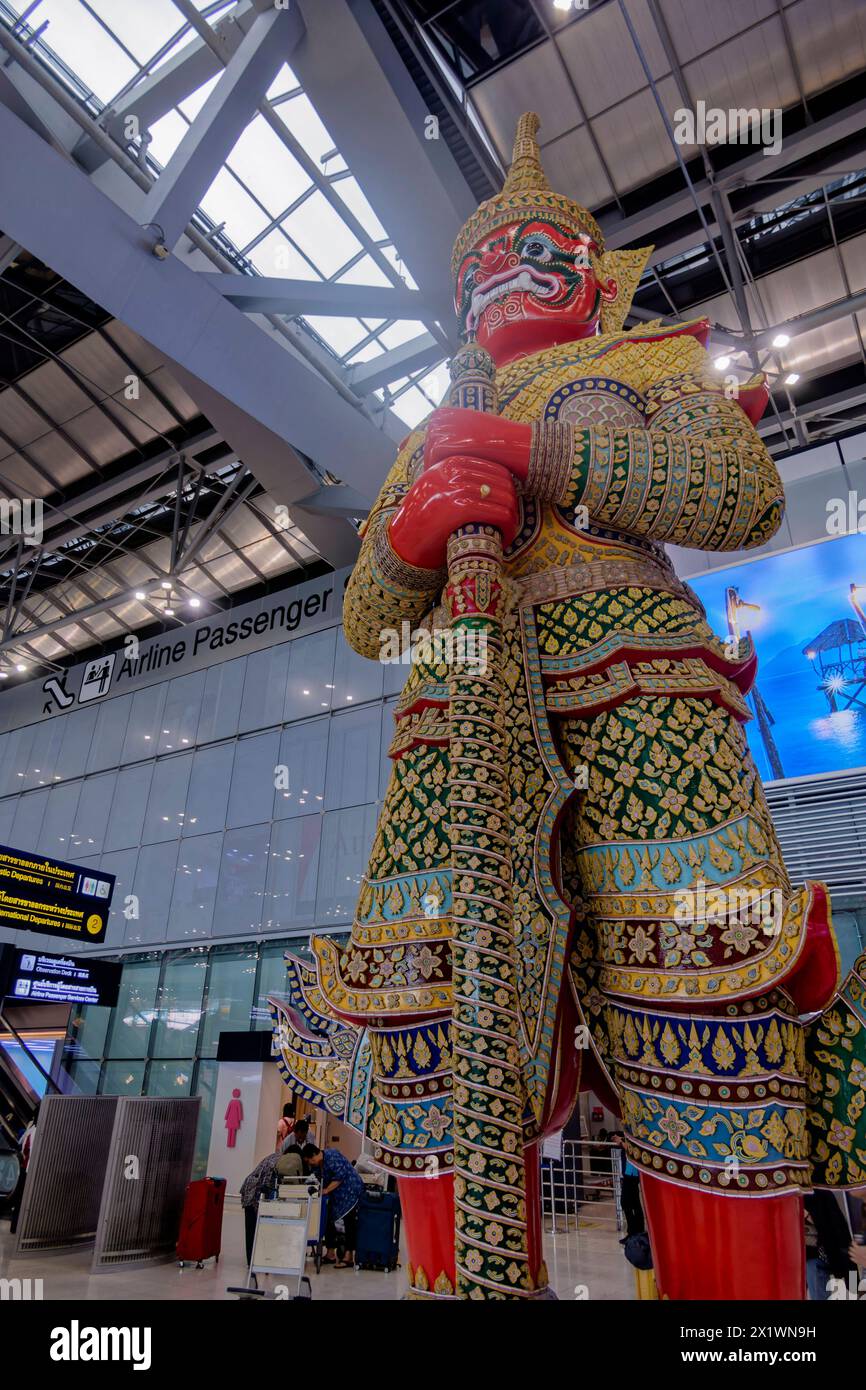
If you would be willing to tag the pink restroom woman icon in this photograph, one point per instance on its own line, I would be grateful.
(234, 1118)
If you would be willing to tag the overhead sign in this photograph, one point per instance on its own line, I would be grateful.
(34, 977)
(48, 895)
(278, 617)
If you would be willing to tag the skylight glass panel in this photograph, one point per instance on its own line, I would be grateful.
(355, 200)
(226, 201)
(85, 47)
(436, 383)
(322, 235)
(166, 135)
(299, 116)
(261, 178)
(340, 334)
(412, 407)
(366, 353)
(267, 168)
(402, 332)
(143, 29)
(285, 81)
(275, 255)
(365, 272)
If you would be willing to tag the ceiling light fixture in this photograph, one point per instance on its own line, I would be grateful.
(781, 340)
(722, 363)
(792, 378)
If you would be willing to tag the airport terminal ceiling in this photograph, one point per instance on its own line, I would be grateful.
(298, 198)
(433, 681)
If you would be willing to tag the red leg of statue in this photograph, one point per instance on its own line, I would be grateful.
(708, 1246)
(427, 1205)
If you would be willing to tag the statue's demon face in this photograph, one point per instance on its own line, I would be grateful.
(528, 286)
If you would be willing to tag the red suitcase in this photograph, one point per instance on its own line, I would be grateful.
(201, 1223)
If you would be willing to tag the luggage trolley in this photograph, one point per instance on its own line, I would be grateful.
(282, 1235)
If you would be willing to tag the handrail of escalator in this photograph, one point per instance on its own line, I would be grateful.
(16, 1106)
(4, 1021)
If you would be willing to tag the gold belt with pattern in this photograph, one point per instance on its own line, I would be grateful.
(565, 581)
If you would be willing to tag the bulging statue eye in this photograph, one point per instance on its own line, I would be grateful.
(537, 250)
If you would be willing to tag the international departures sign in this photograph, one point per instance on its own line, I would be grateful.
(48, 895)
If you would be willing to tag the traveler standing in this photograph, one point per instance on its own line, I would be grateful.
(285, 1126)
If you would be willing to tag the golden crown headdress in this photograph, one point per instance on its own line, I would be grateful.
(526, 193)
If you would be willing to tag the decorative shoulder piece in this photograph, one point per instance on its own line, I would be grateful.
(551, 458)
(693, 400)
(623, 269)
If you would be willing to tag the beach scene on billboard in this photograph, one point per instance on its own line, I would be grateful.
(806, 612)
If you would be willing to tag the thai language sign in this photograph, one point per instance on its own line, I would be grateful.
(47, 895)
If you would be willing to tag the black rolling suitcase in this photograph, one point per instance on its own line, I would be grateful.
(378, 1238)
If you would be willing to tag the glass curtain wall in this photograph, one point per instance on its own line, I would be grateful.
(161, 1038)
(230, 803)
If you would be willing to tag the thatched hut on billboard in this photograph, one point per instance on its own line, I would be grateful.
(839, 655)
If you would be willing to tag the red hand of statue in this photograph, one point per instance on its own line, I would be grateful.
(453, 492)
(452, 432)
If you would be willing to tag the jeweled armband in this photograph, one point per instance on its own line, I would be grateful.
(551, 458)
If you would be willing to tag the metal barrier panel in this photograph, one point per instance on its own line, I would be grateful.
(149, 1165)
(61, 1203)
(582, 1187)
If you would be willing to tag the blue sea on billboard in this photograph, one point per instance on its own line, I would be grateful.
(810, 637)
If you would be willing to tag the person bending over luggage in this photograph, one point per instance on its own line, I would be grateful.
(259, 1183)
(343, 1187)
(289, 1163)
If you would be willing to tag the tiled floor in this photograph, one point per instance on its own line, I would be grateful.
(588, 1263)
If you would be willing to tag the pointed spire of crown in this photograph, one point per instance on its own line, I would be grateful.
(526, 172)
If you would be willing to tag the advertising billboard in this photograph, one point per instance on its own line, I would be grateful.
(806, 611)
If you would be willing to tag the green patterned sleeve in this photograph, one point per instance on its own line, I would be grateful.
(698, 476)
(384, 591)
